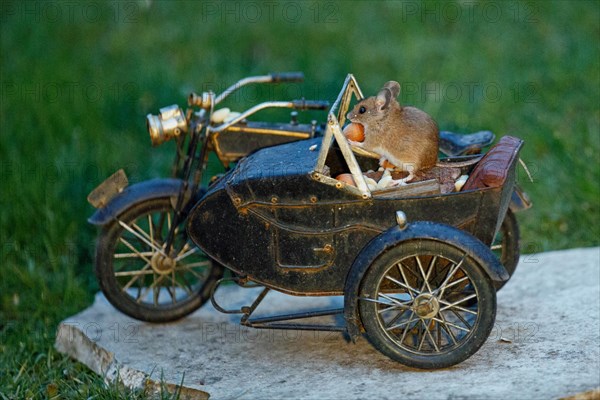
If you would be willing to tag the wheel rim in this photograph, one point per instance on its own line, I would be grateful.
(146, 273)
(426, 304)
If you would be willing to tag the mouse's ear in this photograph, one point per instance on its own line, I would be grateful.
(382, 101)
(394, 87)
(388, 92)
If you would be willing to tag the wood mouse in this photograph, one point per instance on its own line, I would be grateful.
(405, 136)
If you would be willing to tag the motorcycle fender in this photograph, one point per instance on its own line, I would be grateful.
(394, 237)
(147, 190)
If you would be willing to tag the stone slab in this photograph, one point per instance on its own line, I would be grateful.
(545, 344)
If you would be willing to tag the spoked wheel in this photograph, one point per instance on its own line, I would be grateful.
(427, 304)
(506, 245)
(144, 280)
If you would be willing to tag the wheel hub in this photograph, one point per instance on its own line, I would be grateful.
(162, 265)
(426, 306)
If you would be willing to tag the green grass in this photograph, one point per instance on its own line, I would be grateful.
(78, 79)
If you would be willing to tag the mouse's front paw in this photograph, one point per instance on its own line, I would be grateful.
(385, 164)
(355, 144)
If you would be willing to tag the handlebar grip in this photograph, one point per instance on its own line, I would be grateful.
(277, 77)
(310, 104)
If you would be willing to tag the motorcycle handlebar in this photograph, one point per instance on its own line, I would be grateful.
(277, 77)
(310, 104)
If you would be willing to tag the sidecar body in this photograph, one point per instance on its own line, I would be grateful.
(280, 218)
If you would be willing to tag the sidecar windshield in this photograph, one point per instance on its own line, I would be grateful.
(335, 149)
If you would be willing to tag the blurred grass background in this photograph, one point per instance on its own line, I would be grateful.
(78, 78)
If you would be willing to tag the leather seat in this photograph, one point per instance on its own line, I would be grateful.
(493, 168)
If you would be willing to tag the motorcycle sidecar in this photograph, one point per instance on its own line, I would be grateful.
(415, 266)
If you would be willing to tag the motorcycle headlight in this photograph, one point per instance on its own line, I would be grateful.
(168, 124)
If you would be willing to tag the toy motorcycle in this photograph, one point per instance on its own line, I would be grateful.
(416, 267)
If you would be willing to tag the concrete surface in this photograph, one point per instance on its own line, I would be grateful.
(545, 345)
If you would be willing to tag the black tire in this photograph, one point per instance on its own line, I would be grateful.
(506, 245)
(129, 270)
(417, 331)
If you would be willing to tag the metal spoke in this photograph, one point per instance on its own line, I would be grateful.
(458, 302)
(497, 247)
(197, 264)
(425, 276)
(185, 267)
(431, 268)
(172, 293)
(159, 229)
(440, 271)
(184, 255)
(393, 300)
(135, 278)
(459, 308)
(155, 294)
(411, 271)
(154, 283)
(452, 271)
(464, 321)
(151, 228)
(405, 280)
(178, 284)
(400, 324)
(142, 232)
(397, 282)
(130, 246)
(410, 319)
(391, 307)
(134, 273)
(445, 326)
(143, 239)
(432, 339)
(185, 248)
(456, 282)
(379, 302)
(422, 338)
(396, 318)
(187, 287)
(438, 330)
(133, 255)
(451, 324)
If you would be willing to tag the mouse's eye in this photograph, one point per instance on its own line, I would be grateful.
(362, 110)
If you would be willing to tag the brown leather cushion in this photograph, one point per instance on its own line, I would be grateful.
(492, 169)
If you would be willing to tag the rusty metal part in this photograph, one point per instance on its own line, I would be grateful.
(107, 190)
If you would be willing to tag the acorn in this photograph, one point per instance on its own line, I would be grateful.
(346, 178)
(354, 131)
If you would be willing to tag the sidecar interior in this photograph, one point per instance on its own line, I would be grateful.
(337, 157)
